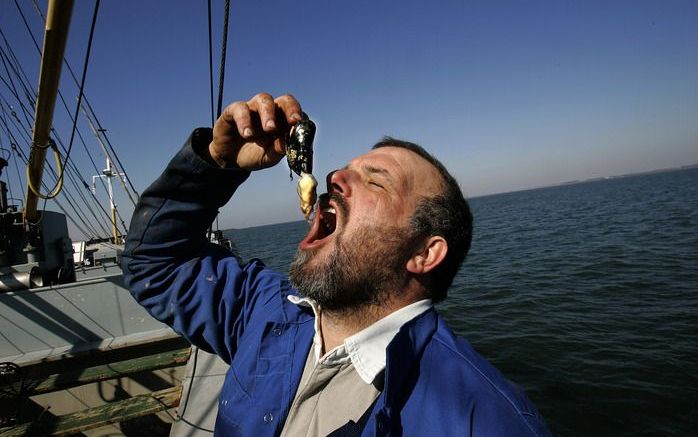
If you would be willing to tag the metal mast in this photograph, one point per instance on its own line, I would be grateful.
(108, 173)
(55, 37)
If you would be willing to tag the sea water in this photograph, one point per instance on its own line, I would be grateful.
(585, 295)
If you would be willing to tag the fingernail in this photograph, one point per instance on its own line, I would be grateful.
(296, 116)
(247, 132)
(271, 124)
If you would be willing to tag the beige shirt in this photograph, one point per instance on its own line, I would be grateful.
(341, 385)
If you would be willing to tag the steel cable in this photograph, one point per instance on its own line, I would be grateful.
(120, 168)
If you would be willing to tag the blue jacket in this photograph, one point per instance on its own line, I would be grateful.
(435, 383)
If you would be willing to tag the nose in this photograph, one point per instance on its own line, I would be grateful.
(338, 182)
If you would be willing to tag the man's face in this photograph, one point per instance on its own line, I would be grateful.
(356, 250)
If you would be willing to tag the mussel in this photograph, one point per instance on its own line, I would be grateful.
(299, 154)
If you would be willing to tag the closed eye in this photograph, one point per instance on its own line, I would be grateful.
(375, 183)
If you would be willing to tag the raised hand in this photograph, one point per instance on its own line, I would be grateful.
(252, 135)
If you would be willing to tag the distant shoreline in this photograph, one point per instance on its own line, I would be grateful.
(594, 179)
(561, 184)
(642, 173)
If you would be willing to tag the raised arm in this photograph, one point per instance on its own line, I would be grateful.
(194, 286)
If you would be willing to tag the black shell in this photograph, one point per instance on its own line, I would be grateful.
(299, 147)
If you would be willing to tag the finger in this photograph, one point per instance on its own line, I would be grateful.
(264, 105)
(279, 147)
(290, 108)
(238, 114)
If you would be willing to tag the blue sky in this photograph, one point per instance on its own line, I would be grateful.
(510, 95)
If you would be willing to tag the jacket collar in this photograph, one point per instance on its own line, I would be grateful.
(290, 312)
(404, 352)
(367, 348)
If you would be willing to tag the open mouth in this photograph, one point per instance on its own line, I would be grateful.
(324, 225)
(328, 221)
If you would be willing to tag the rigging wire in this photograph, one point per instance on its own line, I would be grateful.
(7, 163)
(221, 79)
(87, 187)
(14, 89)
(91, 116)
(99, 133)
(14, 142)
(119, 167)
(24, 158)
(2, 79)
(38, 10)
(72, 169)
(221, 76)
(31, 34)
(26, 84)
(25, 132)
(72, 178)
(26, 24)
(9, 87)
(69, 197)
(82, 141)
(210, 62)
(73, 172)
(180, 417)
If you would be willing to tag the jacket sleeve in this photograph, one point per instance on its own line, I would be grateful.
(196, 287)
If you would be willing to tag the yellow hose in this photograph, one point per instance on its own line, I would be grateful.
(59, 185)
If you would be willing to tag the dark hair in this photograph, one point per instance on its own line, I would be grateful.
(447, 215)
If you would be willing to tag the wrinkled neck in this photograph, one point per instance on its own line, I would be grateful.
(336, 326)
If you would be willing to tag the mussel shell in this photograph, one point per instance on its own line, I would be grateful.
(299, 147)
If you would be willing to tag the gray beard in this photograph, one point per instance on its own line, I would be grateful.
(363, 271)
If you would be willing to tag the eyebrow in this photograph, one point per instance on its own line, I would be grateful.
(372, 170)
(378, 171)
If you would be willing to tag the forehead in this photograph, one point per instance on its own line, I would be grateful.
(406, 168)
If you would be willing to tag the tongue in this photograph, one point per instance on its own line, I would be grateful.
(314, 234)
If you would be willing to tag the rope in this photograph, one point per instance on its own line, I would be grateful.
(59, 184)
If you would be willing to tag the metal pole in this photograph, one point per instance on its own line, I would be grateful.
(55, 37)
(99, 134)
(109, 174)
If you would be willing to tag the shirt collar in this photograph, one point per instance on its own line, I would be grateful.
(366, 348)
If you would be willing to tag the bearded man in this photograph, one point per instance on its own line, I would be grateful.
(351, 345)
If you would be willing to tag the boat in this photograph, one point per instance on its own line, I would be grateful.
(77, 353)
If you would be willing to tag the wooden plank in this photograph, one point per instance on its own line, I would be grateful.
(96, 357)
(114, 412)
(73, 378)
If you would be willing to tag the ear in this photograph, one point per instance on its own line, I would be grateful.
(432, 253)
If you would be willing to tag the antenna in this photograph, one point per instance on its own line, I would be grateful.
(109, 173)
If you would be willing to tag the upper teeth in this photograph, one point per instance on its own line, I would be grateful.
(330, 210)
